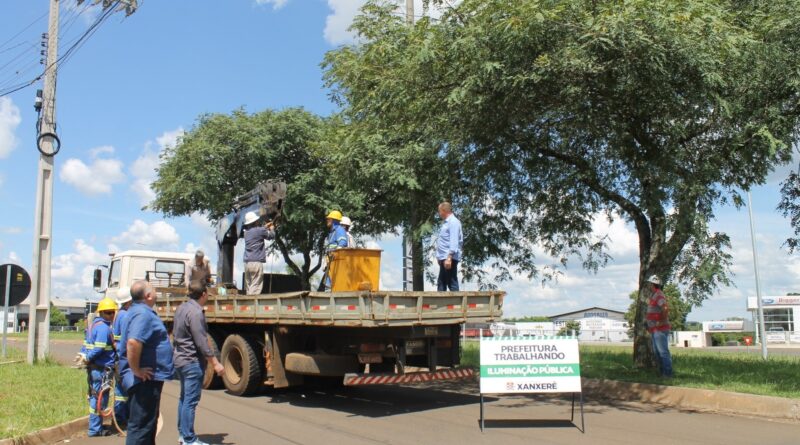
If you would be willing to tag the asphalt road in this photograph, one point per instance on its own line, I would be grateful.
(444, 413)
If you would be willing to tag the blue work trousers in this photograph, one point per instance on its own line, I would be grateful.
(95, 419)
(143, 404)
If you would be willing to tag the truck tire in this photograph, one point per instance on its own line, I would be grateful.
(242, 367)
(211, 380)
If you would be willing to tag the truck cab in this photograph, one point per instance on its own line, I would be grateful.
(163, 269)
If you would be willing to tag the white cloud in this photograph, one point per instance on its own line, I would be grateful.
(102, 150)
(276, 4)
(10, 230)
(337, 23)
(336, 30)
(94, 179)
(72, 272)
(144, 167)
(9, 120)
(140, 235)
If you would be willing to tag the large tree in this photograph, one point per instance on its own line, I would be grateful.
(226, 155)
(559, 111)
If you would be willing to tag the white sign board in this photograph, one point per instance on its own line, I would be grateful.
(530, 365)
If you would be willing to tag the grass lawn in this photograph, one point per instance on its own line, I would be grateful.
(56, 335)
(39, 396)
(727, 371)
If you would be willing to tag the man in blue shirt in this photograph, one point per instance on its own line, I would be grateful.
(120, 399)
(448, 248)
(99, 347)
(145, 364)
(255, 252)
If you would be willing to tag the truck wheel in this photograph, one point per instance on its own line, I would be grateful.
(242, 369)
(211, 380)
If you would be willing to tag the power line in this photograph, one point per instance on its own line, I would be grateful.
(68, 53)
(23, 30)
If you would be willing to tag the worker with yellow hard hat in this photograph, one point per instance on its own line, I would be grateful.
(337, 239)
(100, 354)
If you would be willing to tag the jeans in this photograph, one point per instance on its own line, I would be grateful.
(661, 348)
(191, 377)
(143, 405)
(95, 420)
(447, 278)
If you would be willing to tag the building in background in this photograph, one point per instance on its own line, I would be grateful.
(74, 309)
(780, 317)
(597, 324)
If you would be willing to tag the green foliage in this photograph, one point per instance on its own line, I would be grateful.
(224, 156)
(679, 308)
(572, 327)
(654, 111)
(57, 318)
(693, 326)
(529, 318)
(790, 206)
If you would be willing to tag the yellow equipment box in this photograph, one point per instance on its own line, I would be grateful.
(355, 269)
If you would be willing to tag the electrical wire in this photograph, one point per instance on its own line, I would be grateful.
(68, 53)
(11, 39)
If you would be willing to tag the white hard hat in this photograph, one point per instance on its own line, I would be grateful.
(250, 218)
(124, 295)
(655, 280)
(346, 221)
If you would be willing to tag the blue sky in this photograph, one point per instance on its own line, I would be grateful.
(140, 81)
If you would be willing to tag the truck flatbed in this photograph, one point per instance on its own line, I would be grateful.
(344, 309)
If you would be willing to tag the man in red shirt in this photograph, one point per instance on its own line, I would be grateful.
(658, 326)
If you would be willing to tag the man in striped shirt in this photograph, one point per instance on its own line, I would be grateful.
(658, 326)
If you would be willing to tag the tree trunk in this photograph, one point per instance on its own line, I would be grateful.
(417, 250)
(643, 355)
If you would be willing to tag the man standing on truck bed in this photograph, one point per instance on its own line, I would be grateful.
(337, 239)
(198, 270)
(255, 252)
(192, 352)
(448, 248)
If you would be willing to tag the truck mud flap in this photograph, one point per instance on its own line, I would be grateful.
(409, 378)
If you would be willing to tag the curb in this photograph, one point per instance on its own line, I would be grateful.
(695, 399)
(50, 435)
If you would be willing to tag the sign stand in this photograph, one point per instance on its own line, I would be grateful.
(524, 365)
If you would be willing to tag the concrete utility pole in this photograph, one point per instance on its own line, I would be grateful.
(39, 313)
(48, 144)
(760, 326)
(410, 12)
(408, 247)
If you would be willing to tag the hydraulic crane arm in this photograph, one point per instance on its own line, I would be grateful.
(266, 200)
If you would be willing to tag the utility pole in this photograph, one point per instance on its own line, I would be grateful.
(39, 313)
(408, 237)
(49, 144)
(760, 326)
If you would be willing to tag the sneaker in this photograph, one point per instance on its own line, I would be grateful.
(196, 442)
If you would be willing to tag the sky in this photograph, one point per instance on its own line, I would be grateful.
(139, 82)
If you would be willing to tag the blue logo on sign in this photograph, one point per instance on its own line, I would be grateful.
(768, 300)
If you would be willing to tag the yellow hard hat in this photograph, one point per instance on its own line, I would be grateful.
(335, 214)
(106, 304)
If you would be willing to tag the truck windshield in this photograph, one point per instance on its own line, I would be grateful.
(114, 273)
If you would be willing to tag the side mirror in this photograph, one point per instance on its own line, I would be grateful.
(98, 279)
